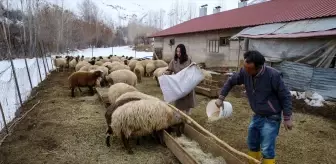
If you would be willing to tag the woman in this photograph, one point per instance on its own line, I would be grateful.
(181, 61)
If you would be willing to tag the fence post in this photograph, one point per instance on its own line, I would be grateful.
(15, 79)
(45, 69)
(31, 85)
(45, 56)
(38, 65)
(3, 118)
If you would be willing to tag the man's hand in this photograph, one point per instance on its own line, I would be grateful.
(219, 103)
(288, 124)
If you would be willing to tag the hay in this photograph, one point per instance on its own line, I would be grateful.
(193, 148)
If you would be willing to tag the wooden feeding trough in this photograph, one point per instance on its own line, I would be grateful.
(211, 88)
(208, 142)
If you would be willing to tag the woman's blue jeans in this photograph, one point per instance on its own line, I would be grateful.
(262, 134)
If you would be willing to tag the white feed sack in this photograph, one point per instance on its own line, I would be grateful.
(179, 85)
(193, 148)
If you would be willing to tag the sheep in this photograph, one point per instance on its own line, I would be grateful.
(102, 80)
(207, 76)
(157, 73)
(114, 58)
(81, 64)
(123, 99)
(160, 63)
(117, 90)
(108, 65)
(83, 79)
(73, 63)
(99, 63)
(104, 60)
(85, 68)
(118, 66)
(92, 67)
(145, 62)
(142, 117)
(132, 64)
(153, 65)
(122, 76)
(139, 71)
(150, 67)
(60, 63)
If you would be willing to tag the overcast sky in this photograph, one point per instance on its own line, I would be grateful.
(140, 7)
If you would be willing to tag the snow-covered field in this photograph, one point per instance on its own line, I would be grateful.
(9, 96)
(119, 51)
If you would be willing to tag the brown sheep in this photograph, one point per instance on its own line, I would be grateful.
(83, 79)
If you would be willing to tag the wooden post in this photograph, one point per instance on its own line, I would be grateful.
(45, 57)
(27, 68)
(238, 53)
(3, 118)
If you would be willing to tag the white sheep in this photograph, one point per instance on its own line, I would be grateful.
(132, 63)
(121, 100)
(119, 66)
(150, 68)
(160, 63)
(81, 64)
(99, 63)
(114, 58)
(73, 63)
(142, 117)
(158, 72)
(122, 76)
(207, 76)
(139, 71)
(60, 63)
(117, 90)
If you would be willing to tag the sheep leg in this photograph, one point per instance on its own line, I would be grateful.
(72, 92)
(126, 143)
(160, 135)
(138, 141)
(108, 136)
(157, 81)
(91, 90)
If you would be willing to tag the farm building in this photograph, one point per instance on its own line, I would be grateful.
(209, 40)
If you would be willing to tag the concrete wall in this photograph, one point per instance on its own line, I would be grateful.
(197, 46)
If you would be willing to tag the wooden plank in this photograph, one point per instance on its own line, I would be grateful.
(177, 150)
(210, 146)
(212, 93)
(102, 93)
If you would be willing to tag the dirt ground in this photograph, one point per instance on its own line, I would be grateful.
(72, 130)
(312, 141)
(67, 130)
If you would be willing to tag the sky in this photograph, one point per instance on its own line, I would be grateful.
(141, 7)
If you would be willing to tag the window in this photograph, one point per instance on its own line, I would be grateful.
(171, 42)
(224, 41)
(213, 46)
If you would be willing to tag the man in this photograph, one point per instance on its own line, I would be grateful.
(268, 97)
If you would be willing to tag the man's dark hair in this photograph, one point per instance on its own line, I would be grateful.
(254, 57)
(183, 51)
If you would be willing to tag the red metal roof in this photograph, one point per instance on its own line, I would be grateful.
(273, 11)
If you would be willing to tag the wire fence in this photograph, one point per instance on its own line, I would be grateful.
(17, 79)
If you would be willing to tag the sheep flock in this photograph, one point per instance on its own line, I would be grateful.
(130, 114)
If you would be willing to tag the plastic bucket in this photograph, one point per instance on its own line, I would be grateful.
(215, 113)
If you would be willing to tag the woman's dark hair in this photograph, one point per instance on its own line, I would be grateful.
(183, 51)
(254, 57)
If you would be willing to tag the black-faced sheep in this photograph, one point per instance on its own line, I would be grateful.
(122, 76)
(83, 79)
(142, 117)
